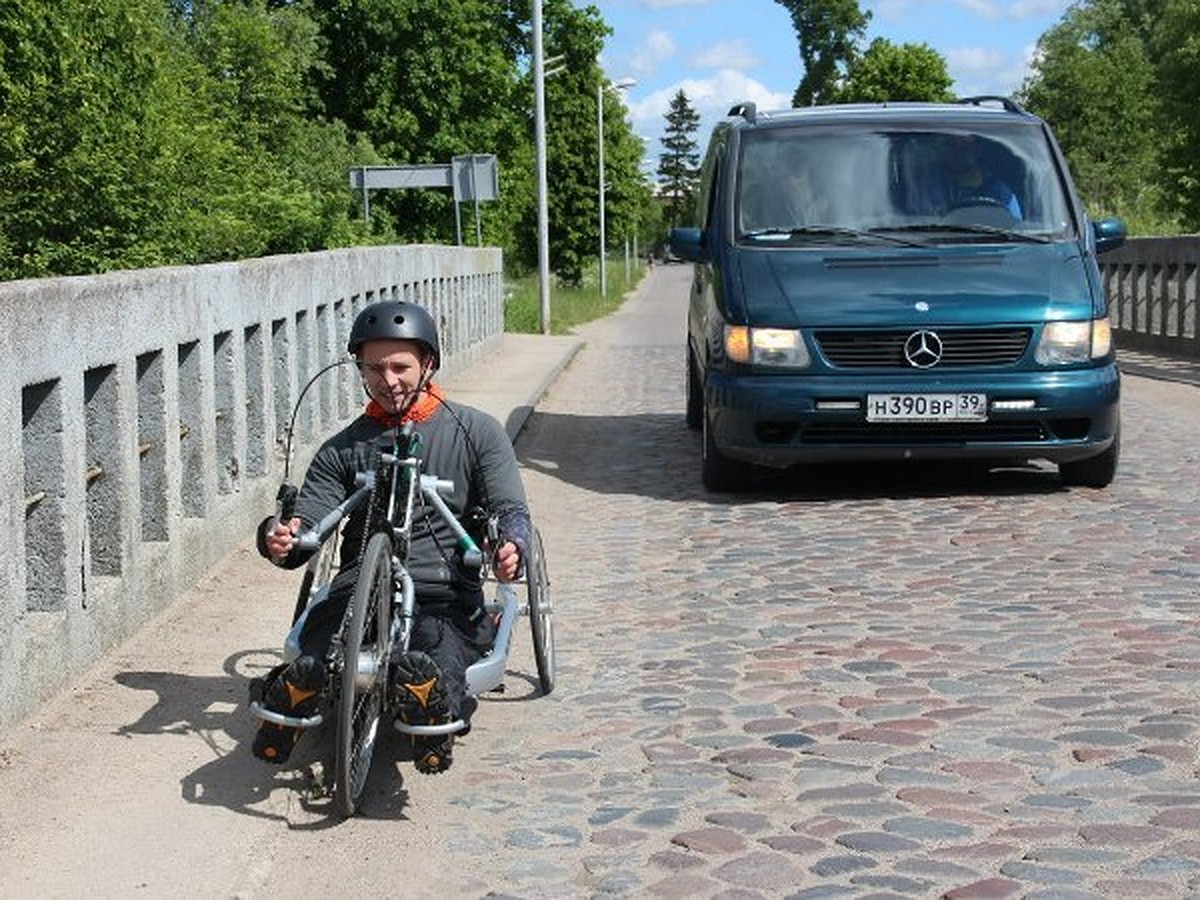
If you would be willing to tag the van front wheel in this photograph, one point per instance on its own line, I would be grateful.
(720, 473)
(694, 392)
(1095, 471)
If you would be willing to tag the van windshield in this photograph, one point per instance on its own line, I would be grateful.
(841, 183)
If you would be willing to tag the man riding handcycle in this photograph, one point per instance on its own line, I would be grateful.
(410, 425)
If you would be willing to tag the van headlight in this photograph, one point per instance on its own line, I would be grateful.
(1064, 343)
(782, 347)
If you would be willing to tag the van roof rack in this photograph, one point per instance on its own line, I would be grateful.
(1008, 103)
(746, 109)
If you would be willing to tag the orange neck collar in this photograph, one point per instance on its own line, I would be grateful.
(421, 409)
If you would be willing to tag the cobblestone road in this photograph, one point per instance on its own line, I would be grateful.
(856, 682)
(859, 681)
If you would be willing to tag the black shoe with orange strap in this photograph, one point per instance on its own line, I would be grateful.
(417, 693)
(293, 690)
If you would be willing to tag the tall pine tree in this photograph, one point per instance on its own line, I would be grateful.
(679, 165)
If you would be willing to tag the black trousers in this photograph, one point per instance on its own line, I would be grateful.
(455, 632)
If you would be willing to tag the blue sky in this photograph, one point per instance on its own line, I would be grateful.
(721, 51)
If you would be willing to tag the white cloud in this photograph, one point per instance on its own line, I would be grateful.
(656, 48)
(976, 60)
(1028, 9)
(985, 8)
(735, 54)
(1016, 9)
(983, 70)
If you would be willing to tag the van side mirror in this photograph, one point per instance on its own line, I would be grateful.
(690, 244)
(1110, 234)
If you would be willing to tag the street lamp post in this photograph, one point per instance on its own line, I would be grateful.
(620, 86)
(539, 116)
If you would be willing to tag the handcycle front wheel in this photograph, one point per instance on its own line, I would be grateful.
(541, 612)
(364, 673)
(317, 575)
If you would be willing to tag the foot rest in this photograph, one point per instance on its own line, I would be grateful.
(280, 719)
(445, 728)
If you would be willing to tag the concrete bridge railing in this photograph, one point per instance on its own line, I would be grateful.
(144, 415)
(1152, 285)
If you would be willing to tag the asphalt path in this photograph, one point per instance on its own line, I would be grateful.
(853, 681)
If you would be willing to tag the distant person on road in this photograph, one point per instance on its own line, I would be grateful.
(397, 351)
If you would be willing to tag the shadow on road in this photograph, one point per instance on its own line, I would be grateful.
(655, 455)
(233, 778)
(211, 707)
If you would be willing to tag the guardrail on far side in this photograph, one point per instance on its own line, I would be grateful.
(1152, 286)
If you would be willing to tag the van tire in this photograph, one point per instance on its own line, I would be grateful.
(720, 473)
(1095, 471)
(695, 394)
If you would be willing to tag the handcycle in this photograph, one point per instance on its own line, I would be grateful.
(379, 617)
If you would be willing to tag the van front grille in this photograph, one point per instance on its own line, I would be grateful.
(959, 347)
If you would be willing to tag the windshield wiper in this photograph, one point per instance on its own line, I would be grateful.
(1007, 233)
(833, 231)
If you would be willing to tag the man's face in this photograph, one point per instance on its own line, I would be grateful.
(963, 156)
(393, 371)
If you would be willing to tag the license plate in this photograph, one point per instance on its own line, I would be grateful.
(926, 407)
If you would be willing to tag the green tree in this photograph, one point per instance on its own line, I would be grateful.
(888, 71)
(679, 164)
(576, 38)
(1175, 42)
(627, 194)
(144, 132)
(1094, 81)
(278, 183)
(137, 133)
(80, 88)
(828, 32)
(423, 100)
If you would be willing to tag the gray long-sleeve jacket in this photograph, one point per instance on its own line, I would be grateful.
(457, 443)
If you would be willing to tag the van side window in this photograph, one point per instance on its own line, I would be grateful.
(710, 192)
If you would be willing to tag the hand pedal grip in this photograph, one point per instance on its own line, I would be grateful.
(285, 502)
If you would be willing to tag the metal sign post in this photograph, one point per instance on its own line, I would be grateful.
(474, 177)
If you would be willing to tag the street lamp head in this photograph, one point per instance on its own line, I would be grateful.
(621, 83)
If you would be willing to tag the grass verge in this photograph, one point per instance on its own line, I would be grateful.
(568, 306)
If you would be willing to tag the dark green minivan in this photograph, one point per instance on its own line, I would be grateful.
(897, 281)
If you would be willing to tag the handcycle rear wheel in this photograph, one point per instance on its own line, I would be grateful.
(541, 612)
(364, 673)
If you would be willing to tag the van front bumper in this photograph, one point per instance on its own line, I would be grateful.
(787, 419)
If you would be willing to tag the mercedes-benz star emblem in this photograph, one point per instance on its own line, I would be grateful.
(923, 349)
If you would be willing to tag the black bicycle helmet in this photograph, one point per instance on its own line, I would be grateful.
(396, 320)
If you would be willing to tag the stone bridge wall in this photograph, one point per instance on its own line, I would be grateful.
(144, 415)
